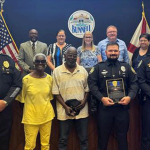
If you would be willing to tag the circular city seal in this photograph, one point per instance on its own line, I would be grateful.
(80, 22)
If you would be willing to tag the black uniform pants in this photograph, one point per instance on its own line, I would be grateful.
(145, 145)
(108, 117)
(5, 127)
(81, 126)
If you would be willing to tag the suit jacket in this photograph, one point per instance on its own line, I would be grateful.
(25, 56)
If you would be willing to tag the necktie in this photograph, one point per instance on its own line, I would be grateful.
(33, 48)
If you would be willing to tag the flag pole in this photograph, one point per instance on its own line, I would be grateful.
(2, 2)
(143, 13)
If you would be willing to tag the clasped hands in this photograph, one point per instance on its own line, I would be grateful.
(109, 102)
(71, 111)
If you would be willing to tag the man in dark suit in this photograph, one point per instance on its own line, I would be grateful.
(28, 50)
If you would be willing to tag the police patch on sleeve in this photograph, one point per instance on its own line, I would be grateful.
(148, 65)
(92, 70)
(17, 67)
(139, 64)
(133, 70)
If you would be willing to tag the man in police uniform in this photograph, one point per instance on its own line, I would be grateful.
(10, 85)
(114, 84)
(144, 83)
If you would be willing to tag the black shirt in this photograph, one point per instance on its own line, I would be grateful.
(10, 79)
(112, 70)
(144, 75)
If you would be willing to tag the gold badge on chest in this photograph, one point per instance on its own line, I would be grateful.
(6, 64)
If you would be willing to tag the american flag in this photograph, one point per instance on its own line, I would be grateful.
(7, 44)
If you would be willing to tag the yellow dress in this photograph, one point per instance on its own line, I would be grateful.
(36, 95)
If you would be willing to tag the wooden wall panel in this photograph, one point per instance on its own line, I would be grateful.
(134, 134)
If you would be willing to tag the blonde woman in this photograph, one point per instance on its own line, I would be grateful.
(88, 55)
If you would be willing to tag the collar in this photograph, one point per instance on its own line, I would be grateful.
(65, 70)
(107, 40)
(109, 63)
(34, 43)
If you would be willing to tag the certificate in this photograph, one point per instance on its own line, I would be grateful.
(115, 89)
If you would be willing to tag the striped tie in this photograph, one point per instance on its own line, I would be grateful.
(33, 48)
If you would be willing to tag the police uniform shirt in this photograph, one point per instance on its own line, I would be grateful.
(107, 70)
(10, 79)
(144, 75)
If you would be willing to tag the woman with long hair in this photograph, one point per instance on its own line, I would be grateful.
(88, 55)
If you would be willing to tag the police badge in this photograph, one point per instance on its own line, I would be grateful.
(6, 64)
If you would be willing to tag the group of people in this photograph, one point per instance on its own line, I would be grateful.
(103, 70)
(88, 53)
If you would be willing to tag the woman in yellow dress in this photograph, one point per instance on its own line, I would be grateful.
(38, 111)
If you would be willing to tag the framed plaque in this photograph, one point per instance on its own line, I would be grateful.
(115, 89)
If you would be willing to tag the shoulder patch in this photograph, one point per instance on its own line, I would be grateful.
(17, 67)
(92, 70)
(148, 64)
(139, 64)
(133, 70)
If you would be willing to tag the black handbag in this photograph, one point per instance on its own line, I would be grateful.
(73, 103)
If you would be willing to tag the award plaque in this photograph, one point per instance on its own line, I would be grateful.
(115, 89)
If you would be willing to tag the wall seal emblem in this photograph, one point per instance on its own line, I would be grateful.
(80, 22)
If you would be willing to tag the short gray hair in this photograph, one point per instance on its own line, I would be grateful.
(39, 54)
(110, 27)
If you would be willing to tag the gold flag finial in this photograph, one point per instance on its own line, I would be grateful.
(143, 6)
(2, 2)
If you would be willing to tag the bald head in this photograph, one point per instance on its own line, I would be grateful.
(72, 49)
(33, 35)
(71, 57)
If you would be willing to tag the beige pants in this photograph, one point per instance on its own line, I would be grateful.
(31, 132)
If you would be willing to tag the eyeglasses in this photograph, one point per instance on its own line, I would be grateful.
(40, 61)
(61, 35)
(143, 40)
(112, 32)
(88, 37)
